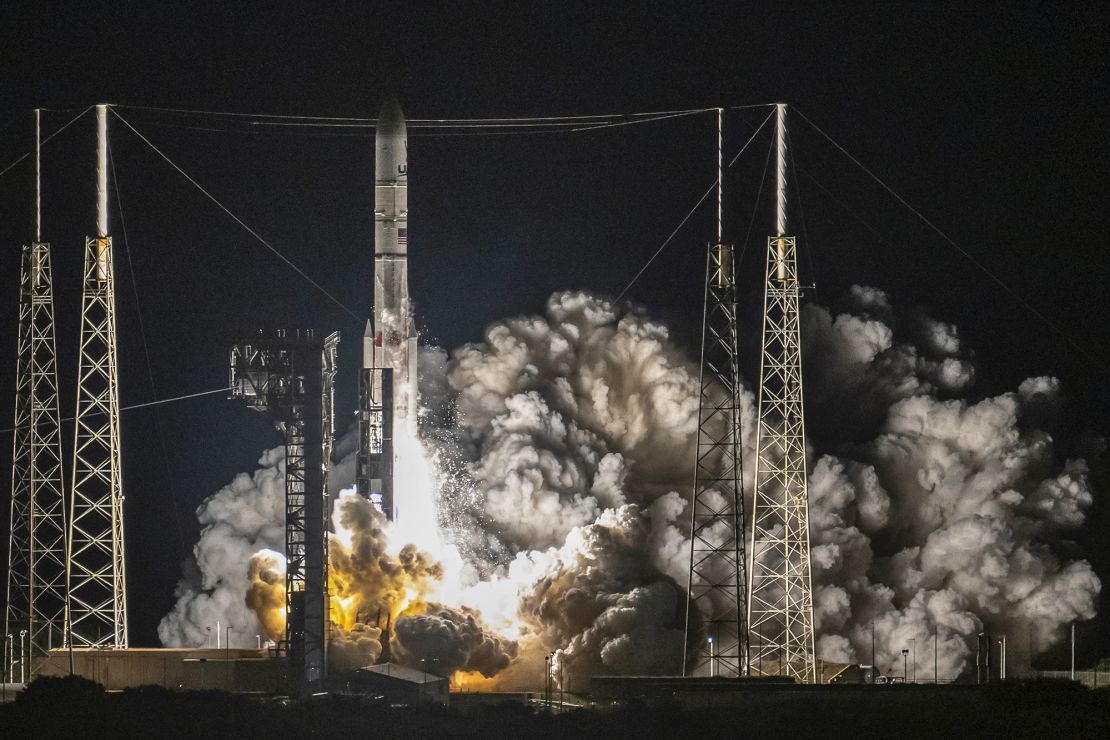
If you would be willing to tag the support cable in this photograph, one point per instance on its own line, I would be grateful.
(48, 138)
(240, 221)
(432, 121)
(951, 242)
(755, 208)
(145, 404)
(802, 216)
(690, 213)
(146, 353)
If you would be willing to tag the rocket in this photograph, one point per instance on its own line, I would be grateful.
(387, 383)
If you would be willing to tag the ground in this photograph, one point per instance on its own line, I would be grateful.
(76, 708)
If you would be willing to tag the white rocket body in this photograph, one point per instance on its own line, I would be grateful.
(391, 340)
(387, 383)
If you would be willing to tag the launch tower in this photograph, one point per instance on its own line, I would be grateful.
(290, 379)
(780, 593)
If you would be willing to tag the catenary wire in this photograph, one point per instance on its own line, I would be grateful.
(146, 404)
(951, 242)
(690, 213)
(240, 221)
(146, 354)
(48, 138)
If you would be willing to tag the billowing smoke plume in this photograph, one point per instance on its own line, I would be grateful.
(563, 449)
(944, 516)
(243, 518)
(445, 640)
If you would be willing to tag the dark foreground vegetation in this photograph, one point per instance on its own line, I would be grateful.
(75, 708)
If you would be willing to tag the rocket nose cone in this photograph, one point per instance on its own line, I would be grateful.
(391, 120)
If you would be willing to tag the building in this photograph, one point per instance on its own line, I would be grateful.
(396, 684)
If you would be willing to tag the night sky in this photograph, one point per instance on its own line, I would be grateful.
(991, 120)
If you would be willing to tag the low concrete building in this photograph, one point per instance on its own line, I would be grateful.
(689, 692)
(396, 684)
(188, 669)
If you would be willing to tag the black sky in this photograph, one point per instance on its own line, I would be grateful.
(991, 119)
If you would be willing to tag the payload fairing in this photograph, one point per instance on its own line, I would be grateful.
(387, 383)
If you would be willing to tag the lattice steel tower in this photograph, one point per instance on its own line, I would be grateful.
(36, 590)
(780, 594)
(716, 585)
(97, 585)
(291, 378)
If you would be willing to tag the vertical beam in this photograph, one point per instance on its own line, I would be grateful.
(780, 595)
(720, 173)
(17, 609)
(96, 577)
(329, 369)
(38, 175)
(780, 169)
(102, 170)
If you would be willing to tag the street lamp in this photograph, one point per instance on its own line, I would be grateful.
(1073, 651)
(873, 666)
(905, 662)
(22, 657)
(913, 647)
(546, 679)
(209, 629)
(227, 656)
(712, 659)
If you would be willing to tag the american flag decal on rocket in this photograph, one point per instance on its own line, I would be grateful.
(402, 236)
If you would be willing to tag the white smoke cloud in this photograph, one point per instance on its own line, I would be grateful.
(945, 518)
(241, 519)
(562, 449)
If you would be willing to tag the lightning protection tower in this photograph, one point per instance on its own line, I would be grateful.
(715, 589)
(34, 615)
(97, 585)
(780, 594)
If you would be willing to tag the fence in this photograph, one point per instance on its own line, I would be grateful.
(1091, 679)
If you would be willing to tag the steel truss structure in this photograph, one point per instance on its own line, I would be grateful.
(290, 378)
(715, 589)
(97, 578)
(780, 595)
(36, 589)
